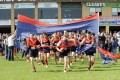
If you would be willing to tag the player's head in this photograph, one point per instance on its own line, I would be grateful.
(64, 37)
(31, 35)
(88, 34)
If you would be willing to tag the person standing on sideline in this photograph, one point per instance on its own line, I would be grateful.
(6, 47)
(114, 45)
(11, 46)
(1, 49)
(118, 37)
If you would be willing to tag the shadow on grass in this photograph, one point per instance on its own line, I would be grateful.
(72, 67)
(102, 67)
(116, 66)
(78, 70)
(59, 65)
(96, 70)
(67, 71)
(19, 59)
(1, 69)
(106, 70)
(53, 71)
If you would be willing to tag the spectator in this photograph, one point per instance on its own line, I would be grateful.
(114, 34)
(6, 47)
(0, 36)
(1, 49)
(11, 46)
(114, 45)
(118, 37)
(102, 39)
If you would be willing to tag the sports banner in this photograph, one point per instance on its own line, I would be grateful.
(26, 25)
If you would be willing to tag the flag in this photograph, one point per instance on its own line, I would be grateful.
(26, 25)
(107, 53)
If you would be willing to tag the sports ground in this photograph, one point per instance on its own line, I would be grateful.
(21, 70)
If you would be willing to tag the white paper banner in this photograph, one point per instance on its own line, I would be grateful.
(68, 20)
(5, 6)
(48, 5)
(5, 22)
(51, 21)
(24, 5)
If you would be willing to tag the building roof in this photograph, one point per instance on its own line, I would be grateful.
(21, 1)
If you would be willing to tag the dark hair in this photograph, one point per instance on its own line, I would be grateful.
(93, 34)
(88, 32)
(24, 39)
(43, 32)
(114, 38)
(31, 33)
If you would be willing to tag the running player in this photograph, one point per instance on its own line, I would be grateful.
(90, 52)
(45, 43)
(61, 47)
(33, 45)
(54, 40)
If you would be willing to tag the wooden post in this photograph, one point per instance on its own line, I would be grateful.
(107, 28)
(59, 13)
(12, 18)
(36, 11)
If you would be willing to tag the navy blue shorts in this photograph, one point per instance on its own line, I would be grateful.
(40, 49)
(33, 53)
(54, 50)
(64, 53)
(90, 51)
(73, 48)
(46, 50)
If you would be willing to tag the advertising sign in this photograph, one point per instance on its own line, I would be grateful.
(5, 6)
(24, 5)
(68, 20)
(89, 4)
(48, 5)
(109, 20)
(51, 21)
(95, 4)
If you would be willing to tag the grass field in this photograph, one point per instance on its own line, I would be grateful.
(21, 70)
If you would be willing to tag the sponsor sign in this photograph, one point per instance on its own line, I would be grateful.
(109, 20)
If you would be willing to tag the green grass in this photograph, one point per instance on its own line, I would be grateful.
(21, 70)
